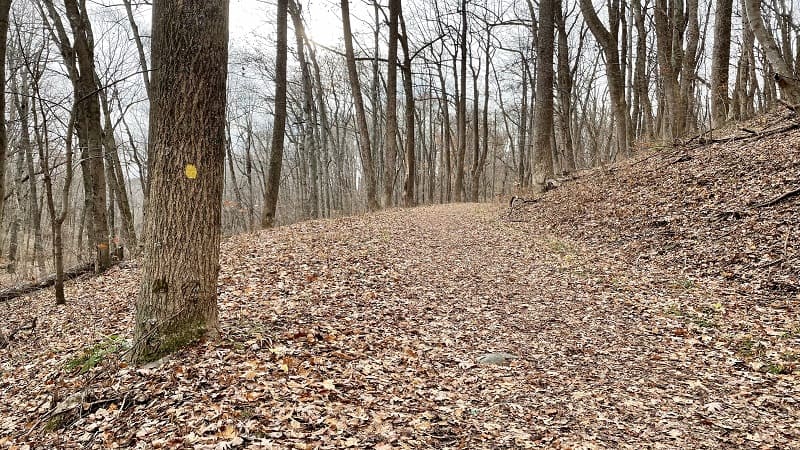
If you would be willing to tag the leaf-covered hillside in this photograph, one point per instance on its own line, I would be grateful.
(654, 305)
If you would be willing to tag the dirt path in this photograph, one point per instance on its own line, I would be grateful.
(363, 332)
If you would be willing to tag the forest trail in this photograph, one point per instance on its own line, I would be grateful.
(363, 332)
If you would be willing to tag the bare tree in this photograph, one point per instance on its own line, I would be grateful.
(273, 180)
(5, 8)
(390, 161)
(720, 60)
(78, 57)
(361, 119)
(784, 76)
(543, 115)
(609, 43)
(177, 301)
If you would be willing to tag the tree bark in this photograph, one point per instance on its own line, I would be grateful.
(784, 76)
(79, 59)
(309, 139)
(564, 83)
(177, 302)
(462, 106)
(361, 119)
(390, 158)
(5, 7)
(543, 114)
(409, 185)
(116, 178)
(273, 180)
(616, 79)
(720, 60)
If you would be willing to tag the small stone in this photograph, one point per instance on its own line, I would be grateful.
(496, 358)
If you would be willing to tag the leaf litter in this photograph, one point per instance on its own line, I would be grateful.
(638, 312)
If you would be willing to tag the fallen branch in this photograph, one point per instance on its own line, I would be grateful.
(5, 340)
(780, 198)
(752, 135)
(69, 274)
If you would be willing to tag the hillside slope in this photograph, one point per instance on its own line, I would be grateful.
(727, 211)
(367, 332)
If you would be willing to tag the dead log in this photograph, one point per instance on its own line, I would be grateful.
(69, 274)
(780, 198)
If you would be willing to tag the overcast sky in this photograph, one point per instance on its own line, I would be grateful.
(323, 19)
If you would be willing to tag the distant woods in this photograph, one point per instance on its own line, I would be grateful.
(415, 102)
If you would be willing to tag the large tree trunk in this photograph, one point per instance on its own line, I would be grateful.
(616, 78)
(367, 165)
(784, 76)
(689, 70)
(390, 142)
(543, 114)
(641, 94)
(309, 139)
(564, 83)
(669, 63)
(89, 126)
(720, 60)
(5, 6)
(462, 106)
(177, 301)
(409, 186)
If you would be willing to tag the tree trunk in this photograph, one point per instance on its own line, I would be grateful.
(564, 84)
(543, 160)
(137, 38)
(22, 103)
(688, 72)
(116, 179)
(616, 79)
(5, 6)
(409, 186)
(641, 94)
(273, 180)
(522, 137)
(474, 130)
(90, 131)
(462, 107)
(177, 301)
(447, 139)
(390, 141)
(784, 76)
(363, 132)
(720, 60)
(309, 141)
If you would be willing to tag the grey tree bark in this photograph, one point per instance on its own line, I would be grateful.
(273, 179)
(390, 159)
(361, 119)
(720, 60)
(5, 7)
(543, 114)
(608, 40)
(784, 76)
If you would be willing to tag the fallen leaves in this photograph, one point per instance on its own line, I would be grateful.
(366, 332)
